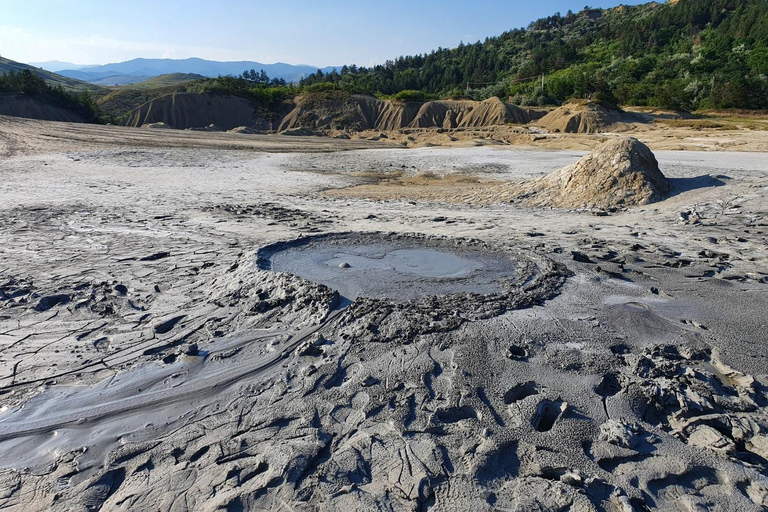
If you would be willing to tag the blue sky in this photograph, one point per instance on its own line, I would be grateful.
(316, 32)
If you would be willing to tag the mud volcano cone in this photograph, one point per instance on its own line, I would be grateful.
(620, 172)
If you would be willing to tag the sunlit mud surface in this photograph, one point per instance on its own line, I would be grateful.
(394, 267)
(189, 321)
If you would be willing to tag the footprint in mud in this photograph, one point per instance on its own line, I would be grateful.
(520, 392)
(51, 301)
(609, 385)
(516, 352)
(455, 414)
(547, 414)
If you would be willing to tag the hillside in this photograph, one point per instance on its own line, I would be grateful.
(120, 101)
(147, 82)
(25, 94)
(168, 80)
(33, 108)
(359, 113)
(118, 80)
(53, 79)
(687, 54)
(194, 110)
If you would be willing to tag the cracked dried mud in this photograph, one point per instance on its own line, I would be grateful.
(195, 322)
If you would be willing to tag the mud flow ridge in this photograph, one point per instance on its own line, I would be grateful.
(399, 267)
(141, 403)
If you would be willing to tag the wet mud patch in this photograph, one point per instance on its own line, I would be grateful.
(402, 285)
(394, 267)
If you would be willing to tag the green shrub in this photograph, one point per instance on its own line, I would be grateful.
(409, 95)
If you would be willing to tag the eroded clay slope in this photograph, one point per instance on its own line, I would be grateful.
(22, 106)
(359, 113)
(197, 110)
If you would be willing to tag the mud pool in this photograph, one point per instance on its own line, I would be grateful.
(399, 269)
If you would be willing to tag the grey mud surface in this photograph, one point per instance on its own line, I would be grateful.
(397, 267)
(148, 361)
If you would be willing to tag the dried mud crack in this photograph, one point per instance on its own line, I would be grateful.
(169, 341)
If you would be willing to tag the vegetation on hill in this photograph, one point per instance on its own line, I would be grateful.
(268, 94)
(168, 80)
(29, 84)
(684, 54)
(258, 87)
(117, 104)
(66, 83)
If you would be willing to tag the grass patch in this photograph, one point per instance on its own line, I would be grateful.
(695, 124)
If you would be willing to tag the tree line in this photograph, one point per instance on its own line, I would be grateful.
(690, 54)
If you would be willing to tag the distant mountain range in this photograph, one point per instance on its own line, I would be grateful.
(56, 65)
(139, 70)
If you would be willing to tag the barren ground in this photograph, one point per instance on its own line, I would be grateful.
(147, 362)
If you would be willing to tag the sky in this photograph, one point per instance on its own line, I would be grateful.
(316, 32)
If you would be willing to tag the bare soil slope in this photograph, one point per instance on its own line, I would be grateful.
(360, 113)
(586, 117)
(197, 110)
(22, 106)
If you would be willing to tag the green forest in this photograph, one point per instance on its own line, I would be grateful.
(684, 54)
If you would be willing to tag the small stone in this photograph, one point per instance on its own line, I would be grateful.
(624, 435)
(707, 437)
(344, 264)
(758, 445)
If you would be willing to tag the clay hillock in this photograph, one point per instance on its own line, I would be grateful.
(198, 110)
(587, 117)
(468, 114)
(620, 172)
(246, 130)
(361, 112)
(18, 105)
(357, 112)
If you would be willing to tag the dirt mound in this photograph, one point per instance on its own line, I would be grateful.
(360, 113)
(198, 110)
(620, 172)
(156, 126)
(301, 132)
(23, 106)
(246, 130)
(352, 113)
(468, 114)
(585, 118)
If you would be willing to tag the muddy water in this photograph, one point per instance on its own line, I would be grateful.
(395, 270)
